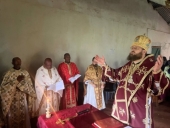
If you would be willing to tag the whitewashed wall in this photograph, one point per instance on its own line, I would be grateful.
(36, 29)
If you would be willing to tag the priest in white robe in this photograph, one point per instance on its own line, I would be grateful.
(49, 87)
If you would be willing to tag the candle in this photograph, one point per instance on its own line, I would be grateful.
(48, 104)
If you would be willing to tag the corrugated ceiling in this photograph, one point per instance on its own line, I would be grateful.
(162, 10)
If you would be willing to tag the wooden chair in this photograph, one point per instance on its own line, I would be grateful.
(155, 100)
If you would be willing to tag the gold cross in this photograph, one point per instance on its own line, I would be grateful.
(64, 120)
(60, 121)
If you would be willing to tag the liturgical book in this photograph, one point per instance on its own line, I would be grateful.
(107, 123)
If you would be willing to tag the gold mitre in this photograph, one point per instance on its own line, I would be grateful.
(142, 41)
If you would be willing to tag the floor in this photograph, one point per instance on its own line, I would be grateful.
(161, 113)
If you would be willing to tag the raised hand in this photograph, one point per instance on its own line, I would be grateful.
(100, 60)
(102, 86)
(158, 64)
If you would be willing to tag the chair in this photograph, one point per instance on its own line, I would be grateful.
(155, 100)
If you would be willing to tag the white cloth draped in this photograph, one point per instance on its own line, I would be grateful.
(90, 96)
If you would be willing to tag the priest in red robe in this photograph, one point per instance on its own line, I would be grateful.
(70, 75)
(138, 80)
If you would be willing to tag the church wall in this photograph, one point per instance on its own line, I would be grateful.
(36, 29)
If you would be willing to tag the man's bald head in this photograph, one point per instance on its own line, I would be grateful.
(48, 63)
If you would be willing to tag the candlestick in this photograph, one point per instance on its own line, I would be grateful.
(48, 105)
(48, 114)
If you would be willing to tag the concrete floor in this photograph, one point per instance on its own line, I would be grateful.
(161, 114)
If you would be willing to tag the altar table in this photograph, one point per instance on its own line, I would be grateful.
(87, 115)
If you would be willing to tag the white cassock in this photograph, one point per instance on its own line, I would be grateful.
(54, 91)
(90, 96)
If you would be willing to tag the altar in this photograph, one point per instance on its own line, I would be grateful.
(77, 117)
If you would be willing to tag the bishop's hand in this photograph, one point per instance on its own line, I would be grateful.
(100, 60)
(158, 64)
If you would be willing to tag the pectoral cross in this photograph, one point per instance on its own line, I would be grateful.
(78, 113)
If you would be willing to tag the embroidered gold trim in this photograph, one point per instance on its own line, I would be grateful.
(135, 99)
(125, 92)
(125, 122)
(147, 121)
(122, 100)
(139, 85)
(151, 60)
(142, 86)
(141, 70)
(125, 84)
(132, 115)
(125, 69)
(121, 111)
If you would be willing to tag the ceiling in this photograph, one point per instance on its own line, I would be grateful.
(162, 10)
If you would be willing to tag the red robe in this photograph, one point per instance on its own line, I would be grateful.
(70, 93)
(132, 103)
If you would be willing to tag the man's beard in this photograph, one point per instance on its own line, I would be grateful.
(135, 57)
(95, 65)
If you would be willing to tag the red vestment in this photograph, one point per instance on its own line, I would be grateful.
(132, 103)
(70, 93)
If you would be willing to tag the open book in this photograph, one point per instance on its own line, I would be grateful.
(108, 123)
(72, 79)
(57, 87)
